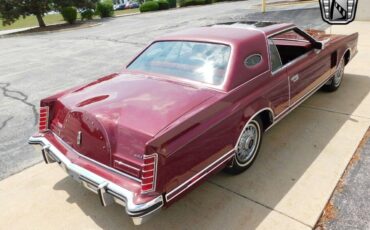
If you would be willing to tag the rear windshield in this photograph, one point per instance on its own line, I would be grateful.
(197, 61)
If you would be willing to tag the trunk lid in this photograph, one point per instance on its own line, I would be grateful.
(110, 120)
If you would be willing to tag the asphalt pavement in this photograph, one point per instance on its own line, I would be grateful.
(349, 206)
(37, 65)
(296, 171)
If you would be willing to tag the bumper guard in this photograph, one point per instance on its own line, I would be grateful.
(107, 191)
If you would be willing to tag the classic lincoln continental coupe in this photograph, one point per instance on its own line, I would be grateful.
(189, 105)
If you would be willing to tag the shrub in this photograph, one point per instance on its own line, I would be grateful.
(172, 3)
(87, 14)
(69, 14)
(184, 3)
(199, 2)
(163, 4)
(149, 6)
(105, 9)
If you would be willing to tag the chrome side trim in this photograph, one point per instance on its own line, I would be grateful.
(296, 104)
(200, 175)
(204, 172)
(108, 191)
(307, 95)
(126, 165)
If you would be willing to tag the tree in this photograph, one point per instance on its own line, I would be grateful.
(12, 10)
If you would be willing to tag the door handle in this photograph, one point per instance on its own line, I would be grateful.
(294, 78)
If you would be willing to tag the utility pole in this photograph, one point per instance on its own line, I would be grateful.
(263, 6)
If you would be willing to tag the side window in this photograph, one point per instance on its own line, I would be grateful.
(291, 45)
(253, 60)
(274, 57)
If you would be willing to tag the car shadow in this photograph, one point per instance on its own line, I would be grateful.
(228, 202)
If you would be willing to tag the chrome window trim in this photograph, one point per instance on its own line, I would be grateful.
(308, 35)
(251, 56)
(295, 60)
(281, 31)
(273, 72)
(291, 28)
(294, 40)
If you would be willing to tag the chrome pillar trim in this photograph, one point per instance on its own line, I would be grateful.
(108, 191)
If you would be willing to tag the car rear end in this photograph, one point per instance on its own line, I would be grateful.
(129, 184)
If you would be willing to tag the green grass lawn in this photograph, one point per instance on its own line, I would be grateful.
(31, 21)
(128, 11)
(50, 19)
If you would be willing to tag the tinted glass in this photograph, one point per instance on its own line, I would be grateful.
(253, 60)
(274, 57)
(203, 62)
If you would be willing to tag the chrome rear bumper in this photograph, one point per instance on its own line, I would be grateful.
(107, 191)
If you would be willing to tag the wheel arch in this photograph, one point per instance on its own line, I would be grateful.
(266, 114)
(347, 56)
(267, 118)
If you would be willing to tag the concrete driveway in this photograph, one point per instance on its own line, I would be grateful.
(299, 165)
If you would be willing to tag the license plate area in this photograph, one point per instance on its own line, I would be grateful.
(88, 184)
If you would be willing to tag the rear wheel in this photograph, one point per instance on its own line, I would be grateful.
(247, 147)
(334, 83)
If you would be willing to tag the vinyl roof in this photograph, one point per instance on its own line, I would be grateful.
(228, 32)
(268, 27)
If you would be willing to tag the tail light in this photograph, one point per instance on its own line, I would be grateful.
(149, 173)
(44, 119)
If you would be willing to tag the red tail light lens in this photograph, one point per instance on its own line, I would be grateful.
(44, 119)
(149, 173)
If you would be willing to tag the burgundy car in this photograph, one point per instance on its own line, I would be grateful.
(189, 105)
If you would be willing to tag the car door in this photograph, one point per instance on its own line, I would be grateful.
(305, 69)
(302, 74)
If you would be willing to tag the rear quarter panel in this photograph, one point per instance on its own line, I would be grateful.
(194, 142)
